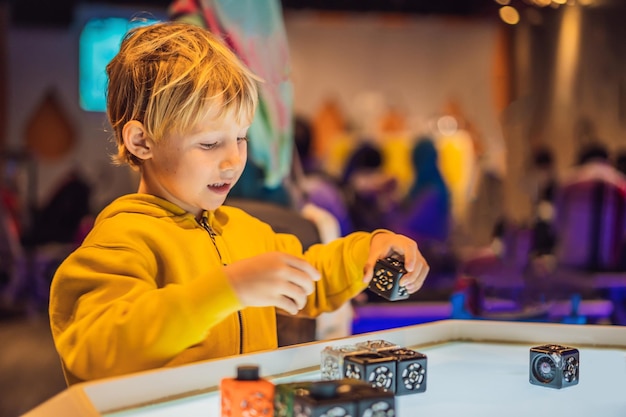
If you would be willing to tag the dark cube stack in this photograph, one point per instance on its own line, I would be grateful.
(386, 279)
(332, 366)
(554, 366)
(342, 398)
(379, 363)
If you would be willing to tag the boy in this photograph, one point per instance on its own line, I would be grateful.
(168, 275)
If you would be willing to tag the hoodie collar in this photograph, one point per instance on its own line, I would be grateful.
(151, 205)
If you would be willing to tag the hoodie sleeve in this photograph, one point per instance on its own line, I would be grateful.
(341, 264)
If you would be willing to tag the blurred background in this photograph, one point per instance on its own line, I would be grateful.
(492, 131)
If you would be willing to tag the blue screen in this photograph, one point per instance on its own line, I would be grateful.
(99, 42)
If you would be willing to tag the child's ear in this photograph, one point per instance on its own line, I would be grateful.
(136, 140)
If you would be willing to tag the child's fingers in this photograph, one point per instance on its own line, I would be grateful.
(414, 280)
(410, 254)
(302, 274)
(368, 269)
(303, 266)
(287, 304)
(391, 245)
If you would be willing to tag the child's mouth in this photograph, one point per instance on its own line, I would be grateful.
(220, 188)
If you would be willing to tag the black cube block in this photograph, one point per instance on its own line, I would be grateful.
(344, 397)
(386, 279)
(374, 368)
(554, 366)
(410, 370)
(323, 399)
(371, 401)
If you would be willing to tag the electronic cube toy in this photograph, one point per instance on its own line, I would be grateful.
(372, 367)
(333, 357)
(386, 279)
(554, 366)
(247, 394)
(342, 398)
(410, 375)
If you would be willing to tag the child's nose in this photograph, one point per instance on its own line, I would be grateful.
(232, 159)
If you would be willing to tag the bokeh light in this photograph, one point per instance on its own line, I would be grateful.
(509, 15)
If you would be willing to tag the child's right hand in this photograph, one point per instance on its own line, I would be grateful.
(273, 279)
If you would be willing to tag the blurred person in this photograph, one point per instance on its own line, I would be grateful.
(460, 151)
(542, 188)
(314, 185)
(369, 190)
(620, 161)
(425, 212)
(60, 219)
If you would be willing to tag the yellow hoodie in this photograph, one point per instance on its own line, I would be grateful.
(147, 288)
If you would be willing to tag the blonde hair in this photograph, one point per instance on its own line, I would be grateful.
(168, 76)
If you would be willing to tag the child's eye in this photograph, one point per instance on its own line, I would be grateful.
(208, 145)
(242, 139)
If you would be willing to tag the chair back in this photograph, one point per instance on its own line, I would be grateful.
(282, 219)
(591, 225)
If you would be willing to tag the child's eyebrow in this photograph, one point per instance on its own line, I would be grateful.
(208, 134)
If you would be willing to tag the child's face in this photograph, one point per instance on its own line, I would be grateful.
(196, 171)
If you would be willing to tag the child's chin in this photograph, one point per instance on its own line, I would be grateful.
(215, 203)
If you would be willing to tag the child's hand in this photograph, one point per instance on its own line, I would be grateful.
(386, 244)
(273, 279)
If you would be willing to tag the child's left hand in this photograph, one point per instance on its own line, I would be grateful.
(386, 244)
